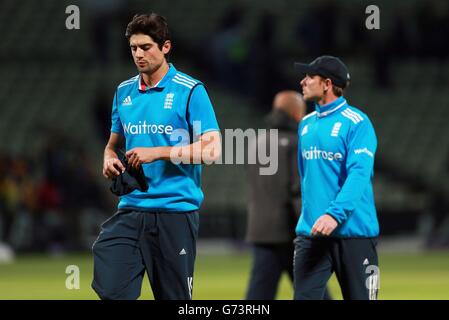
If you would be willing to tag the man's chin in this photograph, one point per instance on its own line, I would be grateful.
(308, 98)
(146, 69)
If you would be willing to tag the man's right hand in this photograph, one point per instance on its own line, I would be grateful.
(112, 167)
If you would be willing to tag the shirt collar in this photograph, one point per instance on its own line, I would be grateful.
(161, 84)
(329, 108)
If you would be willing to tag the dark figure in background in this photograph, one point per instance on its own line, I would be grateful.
(103, 16)
(100, 113)
(264, 71)
(432, 26)
(229, 50)
(438, 235)
(274, 201)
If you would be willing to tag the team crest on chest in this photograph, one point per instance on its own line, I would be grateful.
(168, 103)
(336, 129)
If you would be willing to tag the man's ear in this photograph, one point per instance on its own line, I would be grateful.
(328, 84)
(166, 47)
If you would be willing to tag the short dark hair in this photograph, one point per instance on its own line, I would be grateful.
(152, 25)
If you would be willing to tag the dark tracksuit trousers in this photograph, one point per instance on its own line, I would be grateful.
(130, 242)
(270, 261)
(354, 262)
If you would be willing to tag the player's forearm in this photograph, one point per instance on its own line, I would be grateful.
(109, 152)
(115, 141)
(197, 153)
(205, 151)
(349, 195)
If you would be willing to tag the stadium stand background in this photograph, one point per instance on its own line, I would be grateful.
(56, 87)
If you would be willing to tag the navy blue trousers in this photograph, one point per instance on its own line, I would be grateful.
(132, 242)
(270, 261)
(354, 262)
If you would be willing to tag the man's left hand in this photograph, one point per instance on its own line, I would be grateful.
(137, 156)
(324, 226)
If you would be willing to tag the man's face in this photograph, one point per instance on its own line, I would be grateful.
(146, 53)
(313, 87)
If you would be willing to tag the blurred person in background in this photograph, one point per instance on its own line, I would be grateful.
(155, 230)
(102, 14)
(17, 202)
(275, 201)
(265, 79)
(8, 197)
(338, 227)
(228, 50)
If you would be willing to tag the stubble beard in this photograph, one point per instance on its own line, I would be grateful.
(149, 69)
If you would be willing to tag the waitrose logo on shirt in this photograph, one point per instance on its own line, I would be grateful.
(315, 154)
(147, 128)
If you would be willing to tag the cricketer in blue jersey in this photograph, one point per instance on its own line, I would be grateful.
(338, 225)
(166, 122)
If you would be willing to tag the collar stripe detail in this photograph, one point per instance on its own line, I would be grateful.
(127, 82)
(142, 85)
(309, 115)
(323, 114)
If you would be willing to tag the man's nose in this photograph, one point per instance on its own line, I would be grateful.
(139, 53)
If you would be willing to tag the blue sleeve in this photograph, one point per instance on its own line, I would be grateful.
(361, 149)
(201, 115)
(116, 126)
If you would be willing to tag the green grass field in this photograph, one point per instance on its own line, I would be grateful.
(223, 277)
